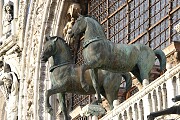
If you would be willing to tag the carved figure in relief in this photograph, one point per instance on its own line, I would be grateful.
(7, 18)
(67, 30)
(72, 15)
(10, 84)
(100, 53)
(65, 75)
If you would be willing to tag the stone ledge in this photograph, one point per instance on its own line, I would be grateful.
(8, 44)
(75, 112)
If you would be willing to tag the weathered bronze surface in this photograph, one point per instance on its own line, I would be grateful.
(65, 75)
(100, 53)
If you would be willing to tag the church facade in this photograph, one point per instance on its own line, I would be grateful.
(24, 24)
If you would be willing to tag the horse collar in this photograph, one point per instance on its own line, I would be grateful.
(87, 42)
(60, 65)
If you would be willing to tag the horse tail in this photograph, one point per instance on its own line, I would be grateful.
(162, 59)
(128, 79)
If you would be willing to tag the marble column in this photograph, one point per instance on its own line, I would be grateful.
(16, 7)
(14, 22)
(1, 15)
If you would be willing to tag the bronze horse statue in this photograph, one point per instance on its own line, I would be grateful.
(100, 53)
(65, 75)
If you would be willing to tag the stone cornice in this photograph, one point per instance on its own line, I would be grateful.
(8, 44)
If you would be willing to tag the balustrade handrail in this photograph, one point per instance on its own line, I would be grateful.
(146, 90)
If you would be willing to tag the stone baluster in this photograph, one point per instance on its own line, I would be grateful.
(159, 99)
(154, 102)
(170, 93)
(135, 113)
(1, 17)
(129, 114)
(124, 116)
(164, 98)
(140, 111)
(148, 106)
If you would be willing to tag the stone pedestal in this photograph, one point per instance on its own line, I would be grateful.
(93, 110)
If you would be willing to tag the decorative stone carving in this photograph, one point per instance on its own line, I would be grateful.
(10, 83)
(72, 14)
(74, 9)
(67, 30)
(7, 18)
(177, 28)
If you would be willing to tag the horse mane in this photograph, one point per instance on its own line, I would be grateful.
(64, 42)
(96, 21)
(92, 17)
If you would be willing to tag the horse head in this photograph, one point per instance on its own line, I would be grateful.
(79, 26)
(49, 48)
(58, 49)
(89, 26)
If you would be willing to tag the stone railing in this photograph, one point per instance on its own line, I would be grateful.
(154, 97)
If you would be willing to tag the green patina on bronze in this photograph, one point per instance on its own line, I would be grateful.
(65, 75)
(104, 54)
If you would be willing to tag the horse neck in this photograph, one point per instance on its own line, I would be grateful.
(93, 30)
(62, 57)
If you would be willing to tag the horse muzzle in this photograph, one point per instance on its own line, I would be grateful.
(44, 59)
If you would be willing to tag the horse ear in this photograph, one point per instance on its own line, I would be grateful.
(47, 38)
(80, 15)
(55, 39)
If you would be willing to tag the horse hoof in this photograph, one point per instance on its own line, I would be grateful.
(96, 102)
(149, 117)
(86, 88)
(50, 111)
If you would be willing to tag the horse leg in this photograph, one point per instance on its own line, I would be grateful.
(136, 73)
(94, 77)
(83, 82)
(171, 110)
(48, 93)
(63, 105)
(48, 106)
